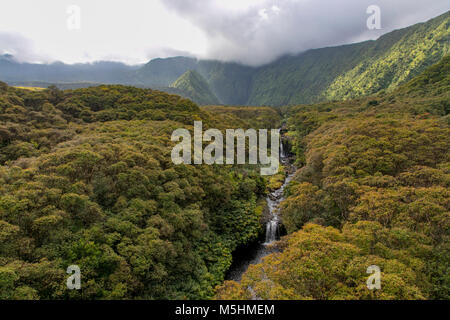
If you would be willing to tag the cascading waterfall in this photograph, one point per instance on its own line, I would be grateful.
(271, 231)
(273, 201)
(259, 251)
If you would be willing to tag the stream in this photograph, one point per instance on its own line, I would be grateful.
(254, 253)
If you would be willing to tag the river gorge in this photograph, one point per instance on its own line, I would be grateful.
(254, 253)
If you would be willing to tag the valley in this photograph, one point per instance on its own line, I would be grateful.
(363, 196)
(86, 179)
(323, 74)
(172, 180)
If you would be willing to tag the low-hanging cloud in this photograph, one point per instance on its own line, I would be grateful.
(20, 47)
(267, 29)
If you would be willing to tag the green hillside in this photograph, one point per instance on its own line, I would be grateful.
(353, 70)
(435, 81)
(230, 82)
(163, 72)
(322, 74)
(86, 178)
(372, 189)
(418, 48)
(195, 87)
(325, 74)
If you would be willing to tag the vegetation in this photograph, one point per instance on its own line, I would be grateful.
(324, 74)
(86, 179)
(352, 70)
(373, 189)
(248, 117)
(31, 88)
(195, 87)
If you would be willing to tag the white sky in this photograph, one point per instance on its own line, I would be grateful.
(248, 31)
(132, 31)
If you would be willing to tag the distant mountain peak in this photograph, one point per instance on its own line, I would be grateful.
(7, 56)
(323, 74)
(195, 87)
(191, 75)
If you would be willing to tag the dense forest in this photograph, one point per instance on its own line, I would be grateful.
(372, 189)
(87, 179)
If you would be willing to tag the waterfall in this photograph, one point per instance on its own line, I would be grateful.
(271, 231)
(260, 250)
(273, 200)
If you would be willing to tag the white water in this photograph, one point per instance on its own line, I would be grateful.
(272, 227)
(258, 251)
(273, 201)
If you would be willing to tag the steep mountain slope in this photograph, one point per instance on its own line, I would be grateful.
(419, 47)
(353, 70)
(318, 75)
(302, 78)
(324, 74)
(372, 189)
(163, 72)
(195, 87)
(434, 82)
(230, 82)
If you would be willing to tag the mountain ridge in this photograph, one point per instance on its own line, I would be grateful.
(196, 88)
(323, 74)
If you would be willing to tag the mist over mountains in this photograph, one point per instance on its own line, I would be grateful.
(333, 73)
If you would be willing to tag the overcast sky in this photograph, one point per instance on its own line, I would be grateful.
(248, 31)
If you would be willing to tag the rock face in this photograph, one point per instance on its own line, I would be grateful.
(266, 216)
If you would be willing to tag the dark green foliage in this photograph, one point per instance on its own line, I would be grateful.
(383, 160)
(163, 72)
(354, 70)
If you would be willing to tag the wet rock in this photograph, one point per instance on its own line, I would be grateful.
(266, 216)
(273, 197)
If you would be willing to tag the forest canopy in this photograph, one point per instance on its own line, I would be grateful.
(86, 179)
(372, 189)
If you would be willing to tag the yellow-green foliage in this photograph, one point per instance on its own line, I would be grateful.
(31, 88)
(328, 264)
(276, 181)
(86, 179)
(251, 117)
(374, 180)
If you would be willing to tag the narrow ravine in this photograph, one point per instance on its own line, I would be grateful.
(254, 253)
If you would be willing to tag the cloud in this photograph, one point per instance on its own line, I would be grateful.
(21, 48)
(259, 31)
(252, 32)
